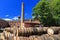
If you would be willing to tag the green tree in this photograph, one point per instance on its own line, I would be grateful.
(48, 12)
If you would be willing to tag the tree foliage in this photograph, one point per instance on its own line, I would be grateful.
(48, 12)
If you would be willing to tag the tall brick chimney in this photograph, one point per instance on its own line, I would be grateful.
(22, 15)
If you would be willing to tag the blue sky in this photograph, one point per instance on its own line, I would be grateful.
(11, 9)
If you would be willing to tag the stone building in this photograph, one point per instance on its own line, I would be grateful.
(4, 23)
(14, 23)
(27, 23)
(17, 23)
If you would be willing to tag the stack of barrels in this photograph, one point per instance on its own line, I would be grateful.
(32, 31)
(36, 31)
(42, 37)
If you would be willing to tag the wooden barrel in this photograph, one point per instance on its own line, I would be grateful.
(11, 37)
(44, 37)
(56, 29)
(33, 38)
(6, 34)
(30, 38)
(2, 36)
(56, 37)
(52, 31)
(48, 37)
(23, 38)
(45, 29)
(39, 29)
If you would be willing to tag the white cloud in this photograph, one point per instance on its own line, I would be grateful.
(7, 19)
(15, 18)
(6, 15)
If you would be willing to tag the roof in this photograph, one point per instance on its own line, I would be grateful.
(3, 23)
(26, 21)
